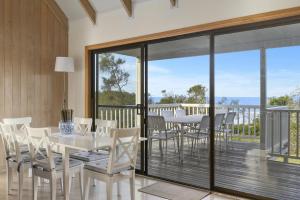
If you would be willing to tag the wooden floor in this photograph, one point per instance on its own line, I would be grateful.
(96, 193)
(240, 168)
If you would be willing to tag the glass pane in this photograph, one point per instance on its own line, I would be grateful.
(118, 88)
(178, 119)
(257, 79)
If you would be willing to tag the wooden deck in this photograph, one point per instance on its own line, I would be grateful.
(240, 168)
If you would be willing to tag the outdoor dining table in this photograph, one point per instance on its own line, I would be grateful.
(77, 141)
(182, 121)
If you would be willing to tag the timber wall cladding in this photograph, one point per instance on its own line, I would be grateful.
(31, 36)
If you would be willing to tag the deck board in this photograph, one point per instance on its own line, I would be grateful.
(239, 168)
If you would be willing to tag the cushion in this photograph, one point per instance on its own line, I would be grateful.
(43, 164)
(88, 156)
(101, 167)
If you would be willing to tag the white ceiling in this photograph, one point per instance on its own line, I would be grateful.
(74, 10)
(282, 36)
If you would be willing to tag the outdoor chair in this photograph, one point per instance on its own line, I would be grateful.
(198, 132)
(159, 132)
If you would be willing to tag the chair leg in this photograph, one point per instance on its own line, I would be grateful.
(10, 178)
(118, 188)
(150, 147)
(87, 187)
(20, 176)
(132, 186)
(109, 189)
(70, 183)
(61, 184)
(174, 144)
(166, 154)
(53, 186)
(81, 182)
(34, 186)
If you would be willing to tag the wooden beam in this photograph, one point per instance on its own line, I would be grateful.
(89, 10)
(173, 3)
(127, 4)
(57, 12)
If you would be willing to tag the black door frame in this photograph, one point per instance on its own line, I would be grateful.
(144, 99)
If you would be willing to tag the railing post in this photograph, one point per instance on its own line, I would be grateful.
(263, 98)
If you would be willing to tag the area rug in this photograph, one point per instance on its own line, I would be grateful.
(173, 192)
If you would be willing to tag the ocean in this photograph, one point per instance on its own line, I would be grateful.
(240, 100)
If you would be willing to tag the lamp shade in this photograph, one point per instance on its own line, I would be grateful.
(64, 64)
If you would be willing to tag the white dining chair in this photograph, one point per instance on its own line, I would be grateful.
(120, 164)
(180, 113)
(103, 127)
(48, 165)
(18, 123)
(83, 125)
(16, 160)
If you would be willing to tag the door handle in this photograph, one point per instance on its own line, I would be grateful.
(140, 109)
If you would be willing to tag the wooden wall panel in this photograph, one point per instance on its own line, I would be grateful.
(32, 34)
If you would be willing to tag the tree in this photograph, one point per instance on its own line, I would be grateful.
(116, 77)
(223, 101)
(196, 94)
(281, 101)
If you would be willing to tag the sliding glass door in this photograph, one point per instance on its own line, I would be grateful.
(119, 90)
(257, 81)
(252, 80)
(178, 104)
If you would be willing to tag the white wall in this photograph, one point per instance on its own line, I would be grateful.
(151, 17)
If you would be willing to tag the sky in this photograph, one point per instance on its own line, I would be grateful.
(237, 74)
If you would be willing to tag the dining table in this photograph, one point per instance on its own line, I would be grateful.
(181, 122)
(77, 141)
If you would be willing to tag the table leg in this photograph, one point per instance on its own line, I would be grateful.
(66, 153)
(181, 143)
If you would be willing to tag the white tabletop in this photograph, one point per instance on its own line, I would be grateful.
(85, 143)
(188, 119)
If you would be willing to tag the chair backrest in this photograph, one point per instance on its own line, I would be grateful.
(229, 120)
(167, 113)
(204, 124)
(83, 125)
(124, 149)
(104, 126)
(39, 139)
(152, 113)
(156, 123)
(219, 118)
(11, 144)
(18, 123)
(180, 113)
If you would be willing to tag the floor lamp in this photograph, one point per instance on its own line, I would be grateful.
(65, 65)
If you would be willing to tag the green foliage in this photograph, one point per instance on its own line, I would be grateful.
(281, 101)
(195, 94)
(239, 128)
(116, 98)
(116, 77)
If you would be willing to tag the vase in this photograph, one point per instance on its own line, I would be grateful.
(66, 128)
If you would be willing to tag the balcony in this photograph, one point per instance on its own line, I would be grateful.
(251, 161)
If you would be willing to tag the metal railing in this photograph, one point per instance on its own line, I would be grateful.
(282, 132)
